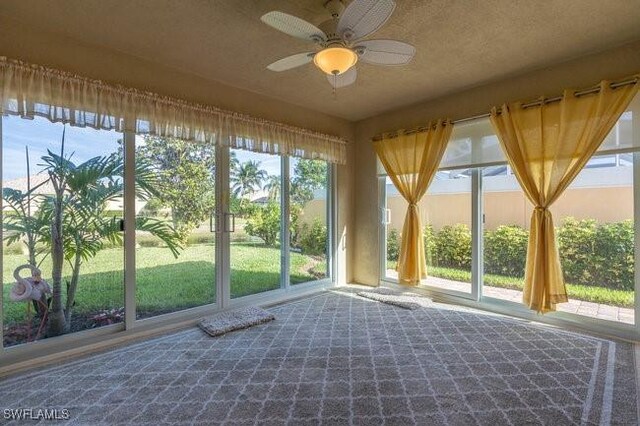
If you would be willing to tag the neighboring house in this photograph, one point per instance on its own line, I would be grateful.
(261, 200)
(41, 182)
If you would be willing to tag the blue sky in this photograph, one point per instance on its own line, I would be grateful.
(39, 135)
(270, 163)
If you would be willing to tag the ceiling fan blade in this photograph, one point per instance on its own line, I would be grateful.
(293, 26)
(290, 62)
(345, 79)
(385, 52)
(363, 17)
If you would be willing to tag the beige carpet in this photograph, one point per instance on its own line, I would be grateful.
(338, 359)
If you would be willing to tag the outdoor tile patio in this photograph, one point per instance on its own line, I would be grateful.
(589, 309)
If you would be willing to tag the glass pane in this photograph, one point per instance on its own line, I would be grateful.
(595, 230)
(255, 184)
(80, 183)
(621, 136)
(175, 242)
(477, 134)
(308, 220)
(446, 217)
(506, 231)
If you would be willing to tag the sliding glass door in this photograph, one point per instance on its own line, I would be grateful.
(477, 219)
(595, 229)
(62, 205)
(254, 222)
(309, 212)
(175, 238)
(150, 229)
(446, 220)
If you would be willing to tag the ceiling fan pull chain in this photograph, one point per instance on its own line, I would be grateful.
(333, 90)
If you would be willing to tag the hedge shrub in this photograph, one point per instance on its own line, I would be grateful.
(575, 244)
(505, 250)
(594, 253)
(591, 253)
(430, 248)
(394, 240)
(313, 238)
(453, 247)
(393, 245)
(614, 252)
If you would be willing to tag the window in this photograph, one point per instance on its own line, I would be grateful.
(255, 223)
(595, 221)
(309, 224)
(175, 239)
(446, 220)
(76, 174)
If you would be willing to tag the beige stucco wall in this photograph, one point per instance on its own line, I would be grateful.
(512, 208)
(314, 209)
(581, 72)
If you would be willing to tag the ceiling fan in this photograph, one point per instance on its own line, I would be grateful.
(339, 39)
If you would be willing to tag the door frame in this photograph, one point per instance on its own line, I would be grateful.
(60, 348)
(476, 299)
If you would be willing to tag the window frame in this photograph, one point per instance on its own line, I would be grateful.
(477, 300)
(32, 354)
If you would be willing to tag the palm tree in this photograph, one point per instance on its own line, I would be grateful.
(73, 221)
(247, 178)
(21, 225)
(80, 226)
(272, 187)
(233, 163)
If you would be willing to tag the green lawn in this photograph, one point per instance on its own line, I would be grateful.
(165, 284)
(621, 298)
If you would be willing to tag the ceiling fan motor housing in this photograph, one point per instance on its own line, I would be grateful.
(329, 27)
(335, 8)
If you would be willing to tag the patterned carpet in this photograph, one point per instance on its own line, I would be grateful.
(344, 360)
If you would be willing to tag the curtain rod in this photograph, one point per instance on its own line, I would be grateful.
(527, 105)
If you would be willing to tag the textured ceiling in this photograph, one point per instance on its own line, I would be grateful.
(459, 43)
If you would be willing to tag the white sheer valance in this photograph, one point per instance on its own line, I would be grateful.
(30, 90)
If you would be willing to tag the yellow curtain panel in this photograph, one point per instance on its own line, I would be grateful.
(411, 161)
(547, 146)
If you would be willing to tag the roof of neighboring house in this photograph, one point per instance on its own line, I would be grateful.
(22, 184)
(260, 200)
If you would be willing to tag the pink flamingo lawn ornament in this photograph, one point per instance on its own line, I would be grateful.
(28, 289)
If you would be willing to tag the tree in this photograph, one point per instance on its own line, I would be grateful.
(79, 222)
(25, 226)
(264, 223)
(233, 162)
(186, 179)
(308, 176)
(73, 221)
(247, 178)
(273, 187)
(21, 225)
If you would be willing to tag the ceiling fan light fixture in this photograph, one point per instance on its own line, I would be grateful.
(335, 60)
